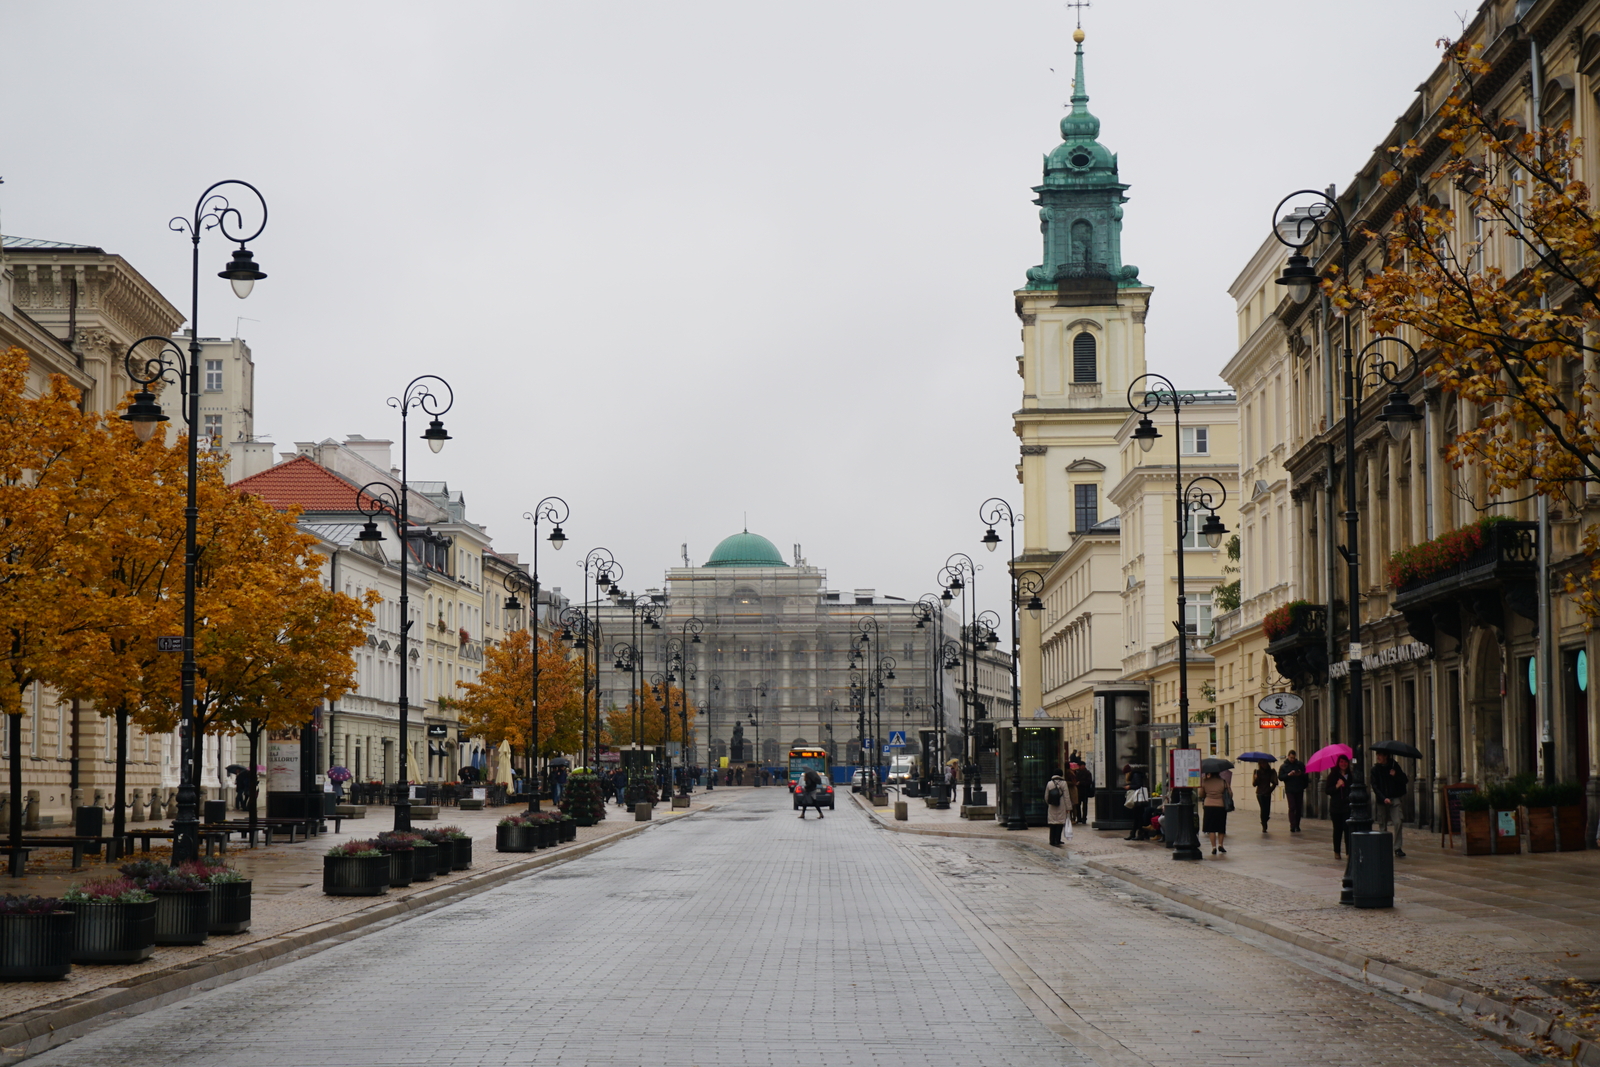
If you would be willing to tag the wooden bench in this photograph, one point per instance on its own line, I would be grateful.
(308, 827)
(243, 829)
(18, 859)
(79, 846)
(216, 841)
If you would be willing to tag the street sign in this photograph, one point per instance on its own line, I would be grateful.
(1272, 722)
(886, 749)
(169, 644)
(897, 737)
(1280, 704)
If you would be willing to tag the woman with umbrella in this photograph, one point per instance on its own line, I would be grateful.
(1213, 794)
(1265, 781)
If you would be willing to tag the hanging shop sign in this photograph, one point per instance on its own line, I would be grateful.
(1280, 704)
(1272, 722)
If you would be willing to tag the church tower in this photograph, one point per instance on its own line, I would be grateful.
(1083, 313)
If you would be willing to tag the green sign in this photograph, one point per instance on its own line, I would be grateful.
(1583, 671)
(1533, 676)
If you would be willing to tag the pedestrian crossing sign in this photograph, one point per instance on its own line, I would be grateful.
(897, 737)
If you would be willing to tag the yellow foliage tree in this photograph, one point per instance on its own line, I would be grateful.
(624, 725)
(1505, 333)
(497, 707)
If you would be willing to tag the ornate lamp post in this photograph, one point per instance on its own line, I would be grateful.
(377, 496)
(1191, 497)
(555, 509)
(990, 512)
(1298, 229)
(168, 365)
(960, 575)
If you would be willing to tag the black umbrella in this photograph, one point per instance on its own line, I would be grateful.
(561, 761)
(234, 768)
(1215, 765)
(1398, 748)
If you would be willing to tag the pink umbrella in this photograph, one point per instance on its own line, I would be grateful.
(1324, 758)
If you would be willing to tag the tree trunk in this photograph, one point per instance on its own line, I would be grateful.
(118, 814)
(14, 746)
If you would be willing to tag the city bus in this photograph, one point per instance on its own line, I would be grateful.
(802, 760)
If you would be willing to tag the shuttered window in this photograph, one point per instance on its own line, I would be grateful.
(1083, 359)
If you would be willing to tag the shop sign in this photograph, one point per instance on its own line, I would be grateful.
(1384, 657)
(1272, 722)
(1280, 704)
(438, 729)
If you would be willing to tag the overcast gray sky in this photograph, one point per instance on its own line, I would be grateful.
(684, 262)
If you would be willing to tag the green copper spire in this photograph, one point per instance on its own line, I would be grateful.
(1081, 200)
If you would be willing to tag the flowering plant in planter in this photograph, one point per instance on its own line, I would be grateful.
(1430, 558)
(107, 891)
(1281, 621)
(521, 818)
(213, 873)
(140, 870)
(396, 842)
(17, 905)
(174, 881)
(361, 849)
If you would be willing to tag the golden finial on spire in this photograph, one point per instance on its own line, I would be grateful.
(1077, 35)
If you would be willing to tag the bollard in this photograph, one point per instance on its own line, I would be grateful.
(100, 798)
(137, 812)
(641, 811)
(901, 814)
(77, 799)
(30, 812)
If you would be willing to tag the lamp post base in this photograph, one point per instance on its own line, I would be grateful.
(1178, 824)
(402, 815)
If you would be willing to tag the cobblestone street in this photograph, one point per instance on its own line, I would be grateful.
(742, 936)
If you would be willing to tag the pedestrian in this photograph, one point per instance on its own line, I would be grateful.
(813, 786)
(1058, 805)
(1214, 806)
(1389, 790)
(1337, 786)
(1085, 791)
(1265, 780)
(739, 776)
(1294, 778)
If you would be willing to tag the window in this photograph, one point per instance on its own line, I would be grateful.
(1083, 359)
(1197, 440)
(1191, 530)
(213, 431)
(213, 375)
(1086, 507)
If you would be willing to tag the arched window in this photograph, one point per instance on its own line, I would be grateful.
(1084, 367)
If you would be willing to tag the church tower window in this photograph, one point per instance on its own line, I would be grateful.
(1084, 363)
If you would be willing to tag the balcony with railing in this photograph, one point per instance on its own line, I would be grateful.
(1469, 576)
(1297, 641)
(1167, 651)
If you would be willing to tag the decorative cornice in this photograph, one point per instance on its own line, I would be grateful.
(1035, 450)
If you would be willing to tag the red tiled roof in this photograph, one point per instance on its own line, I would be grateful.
(307, 483)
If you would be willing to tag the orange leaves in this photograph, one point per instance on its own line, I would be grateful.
(498, 706)
(1501, 294)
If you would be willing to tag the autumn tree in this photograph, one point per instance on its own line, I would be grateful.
(62, 478)
(626, 724)
(1505, 296)
(498, 706)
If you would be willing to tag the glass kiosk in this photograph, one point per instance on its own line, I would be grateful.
(1121, 739)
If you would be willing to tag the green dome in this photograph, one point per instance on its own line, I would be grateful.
(745, 550)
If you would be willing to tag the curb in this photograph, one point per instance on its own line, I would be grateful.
(48, 1026)
(1474, 1004)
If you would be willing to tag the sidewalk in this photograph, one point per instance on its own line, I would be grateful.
(289, 912)
(1513, 940)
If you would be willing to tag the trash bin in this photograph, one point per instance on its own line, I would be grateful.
(1372, 870)
(216, 811)
(90, 822)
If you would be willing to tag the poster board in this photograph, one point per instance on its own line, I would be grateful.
(283, 766)
(1184, 767)
(1450, 797)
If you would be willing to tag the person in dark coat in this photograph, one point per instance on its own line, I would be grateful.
(1337, 785)
(811, 794)
(1265, 781)
(1294, 778)
(1389, 784)
(1085, 792)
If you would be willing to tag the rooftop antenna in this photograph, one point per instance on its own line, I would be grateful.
(237, 320)
(685, 549)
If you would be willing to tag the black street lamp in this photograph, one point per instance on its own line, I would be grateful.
(960, 575)
(1298, 229)
(689, 632)
(930, 608)
(990, 512)
(1191, 497)
(168, 365)
(376, 497)
(555, 509)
